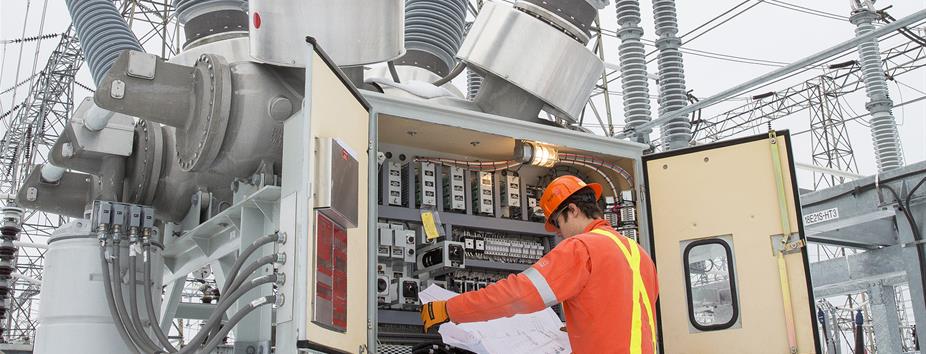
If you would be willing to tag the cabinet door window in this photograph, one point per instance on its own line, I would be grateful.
(711, 285)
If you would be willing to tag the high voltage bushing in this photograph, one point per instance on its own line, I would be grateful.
(884, 133)
(676, 133)
(634, 81)
(433, 33)
(103, 34)
(9, 231)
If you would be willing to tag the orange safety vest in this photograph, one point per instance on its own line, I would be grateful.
(606, 283)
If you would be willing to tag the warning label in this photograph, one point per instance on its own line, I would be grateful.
(821, 216)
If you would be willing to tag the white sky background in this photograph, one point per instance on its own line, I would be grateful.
(765, 32)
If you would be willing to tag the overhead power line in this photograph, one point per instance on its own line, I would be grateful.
(807, 10)
(864, 115)
(18, 84)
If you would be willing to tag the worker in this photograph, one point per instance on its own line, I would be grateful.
(605, 281)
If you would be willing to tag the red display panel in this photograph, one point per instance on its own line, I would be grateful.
(330, 274)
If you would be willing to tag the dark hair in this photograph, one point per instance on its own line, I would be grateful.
(584, 199)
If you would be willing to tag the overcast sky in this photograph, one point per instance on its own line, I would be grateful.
(765, 32)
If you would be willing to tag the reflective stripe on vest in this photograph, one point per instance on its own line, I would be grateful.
(639, 294)
(540, 283)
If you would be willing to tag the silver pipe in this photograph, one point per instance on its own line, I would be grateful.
(884, 133)
(121, 311)
(634, 80)
(676, 132)
(134, 313)
(768, 77)
(243, 275)
(243, 256)
(111, 303)
(224, 303)
(214, 342)
(149, 306)
(251, 268)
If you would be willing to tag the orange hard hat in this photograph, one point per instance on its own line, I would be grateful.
(558, 191)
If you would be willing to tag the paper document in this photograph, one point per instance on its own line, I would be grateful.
(536, 333)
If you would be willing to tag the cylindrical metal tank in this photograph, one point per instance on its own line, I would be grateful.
(74, 317)
(352, 32)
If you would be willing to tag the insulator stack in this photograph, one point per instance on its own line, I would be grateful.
(433, 33)
(676, 133)
(884, 133)
(102, 32)
(634, 81)
(9, 231)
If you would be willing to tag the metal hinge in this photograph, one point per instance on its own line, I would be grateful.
(792, 245)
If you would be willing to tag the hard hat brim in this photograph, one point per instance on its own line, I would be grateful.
(595, 188)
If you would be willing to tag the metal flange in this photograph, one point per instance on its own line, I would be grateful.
(200, 142)
(144, 168)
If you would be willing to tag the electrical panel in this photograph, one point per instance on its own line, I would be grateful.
(455, 189)
(510, 195)
(426, 185)
(484, 193)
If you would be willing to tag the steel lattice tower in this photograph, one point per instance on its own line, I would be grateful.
(36, 126)
(830, 140)
(28, 138)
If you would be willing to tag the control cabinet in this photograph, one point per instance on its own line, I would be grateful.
(486, 199)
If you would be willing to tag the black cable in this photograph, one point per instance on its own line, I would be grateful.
(906, 32)
(917, 237)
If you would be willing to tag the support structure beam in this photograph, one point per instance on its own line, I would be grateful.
(857, 272)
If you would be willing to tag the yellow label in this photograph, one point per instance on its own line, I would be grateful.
(430, 229)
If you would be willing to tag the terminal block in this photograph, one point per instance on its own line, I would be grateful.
(393, 181)
(454, 189)
(510, 195)
(426, 185)
(484, 193)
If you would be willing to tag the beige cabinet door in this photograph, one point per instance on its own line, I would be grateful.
(717, 216)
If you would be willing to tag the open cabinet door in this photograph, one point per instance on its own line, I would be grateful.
(729, 282)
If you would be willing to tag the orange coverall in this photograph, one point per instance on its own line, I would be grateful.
(587, 273)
